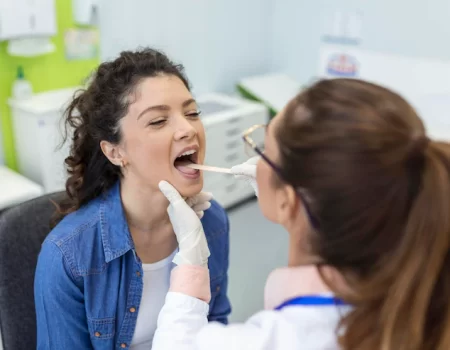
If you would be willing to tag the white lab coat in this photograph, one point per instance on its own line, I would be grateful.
(183, 325)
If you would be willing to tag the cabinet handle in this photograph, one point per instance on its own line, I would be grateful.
(232, 144)
(230, 188)
(232, 157)
(233, 132)
(234, 120)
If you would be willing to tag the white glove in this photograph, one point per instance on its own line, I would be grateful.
(200, 203)
(192, 246)
(247, 172)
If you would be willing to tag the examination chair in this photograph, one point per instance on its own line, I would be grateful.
(23, 228)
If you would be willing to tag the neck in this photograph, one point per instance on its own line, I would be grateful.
(146, 212)
(300, 251)
(145, 208)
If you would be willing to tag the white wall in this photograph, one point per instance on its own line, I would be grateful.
(220, 41)
(217, 41)
(406, 27)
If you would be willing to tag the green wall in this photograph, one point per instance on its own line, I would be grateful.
(46, 72)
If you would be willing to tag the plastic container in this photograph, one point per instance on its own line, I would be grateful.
(21, 88)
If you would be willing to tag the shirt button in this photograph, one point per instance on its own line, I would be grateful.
(132, 309)
(123, 345)
(97, 334)
(218, 289)
(138, 274)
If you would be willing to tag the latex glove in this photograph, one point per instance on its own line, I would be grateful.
(192, 246)
(247, 172)
(200, 203)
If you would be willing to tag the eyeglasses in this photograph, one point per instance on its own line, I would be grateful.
(254, 141)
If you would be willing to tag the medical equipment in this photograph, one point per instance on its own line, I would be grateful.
(225, 118)
(214, 169)
(37, 137)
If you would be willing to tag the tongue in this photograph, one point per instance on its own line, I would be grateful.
(181, 165)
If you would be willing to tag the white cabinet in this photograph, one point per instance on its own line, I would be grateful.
(38, 135)
(225, 119)
(27, 18)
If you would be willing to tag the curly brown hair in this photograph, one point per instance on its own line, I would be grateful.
(94, 115)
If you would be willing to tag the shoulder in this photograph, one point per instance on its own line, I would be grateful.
(76, 223)
(78, 238)
(215, 221)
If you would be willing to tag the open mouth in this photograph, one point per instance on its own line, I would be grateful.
(183, 160)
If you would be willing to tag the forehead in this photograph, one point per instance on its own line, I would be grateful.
(160, 90)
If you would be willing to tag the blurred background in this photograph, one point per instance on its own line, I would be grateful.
(245, 60)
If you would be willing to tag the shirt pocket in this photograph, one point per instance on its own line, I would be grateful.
(102, 328)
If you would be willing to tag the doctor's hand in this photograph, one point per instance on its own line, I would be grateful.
(247, 172)
(192, 245)
(200, 203)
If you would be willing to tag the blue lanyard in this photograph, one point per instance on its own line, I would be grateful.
(312, 300)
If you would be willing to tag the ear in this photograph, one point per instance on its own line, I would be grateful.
(287, 205)
(112, 152)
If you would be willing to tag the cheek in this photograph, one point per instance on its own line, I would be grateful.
(201, 140)
(266, 190)
(150, 155)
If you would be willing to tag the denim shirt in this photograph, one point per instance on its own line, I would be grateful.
(88, 282)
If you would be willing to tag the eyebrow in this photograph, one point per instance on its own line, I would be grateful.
(164, 107)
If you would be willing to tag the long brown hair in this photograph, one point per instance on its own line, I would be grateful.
(94, 115)
(380, 190)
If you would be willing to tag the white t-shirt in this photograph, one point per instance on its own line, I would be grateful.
(156, 285)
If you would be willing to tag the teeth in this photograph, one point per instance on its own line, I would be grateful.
(187, 153)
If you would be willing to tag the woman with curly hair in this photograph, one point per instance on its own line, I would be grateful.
(103, 272)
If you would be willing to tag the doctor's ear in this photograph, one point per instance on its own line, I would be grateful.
(287, 204)
(113, 153)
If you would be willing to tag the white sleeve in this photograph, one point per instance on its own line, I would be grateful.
(179, 322)
(183, 325)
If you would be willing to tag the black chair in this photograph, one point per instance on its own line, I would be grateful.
(23, 228)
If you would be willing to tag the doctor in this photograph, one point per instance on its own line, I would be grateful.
(349, 172)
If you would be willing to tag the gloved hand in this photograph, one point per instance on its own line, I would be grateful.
(247, 172)
(200, 203)
(192, 246)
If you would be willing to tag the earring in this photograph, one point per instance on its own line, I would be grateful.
(122, 164)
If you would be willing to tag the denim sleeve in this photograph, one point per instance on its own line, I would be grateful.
(60, 313)
(222, 306)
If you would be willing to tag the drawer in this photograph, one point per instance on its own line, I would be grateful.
(231, 192)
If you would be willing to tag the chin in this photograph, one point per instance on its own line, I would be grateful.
(190, 190)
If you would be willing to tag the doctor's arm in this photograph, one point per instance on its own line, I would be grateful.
(60, 314)
(183, 325)
(182, 322)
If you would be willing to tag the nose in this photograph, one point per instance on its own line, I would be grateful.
(184, 129)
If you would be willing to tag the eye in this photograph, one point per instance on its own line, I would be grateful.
(194, 115)
(158, 122)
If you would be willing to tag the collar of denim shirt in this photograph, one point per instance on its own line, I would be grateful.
(115, 233)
